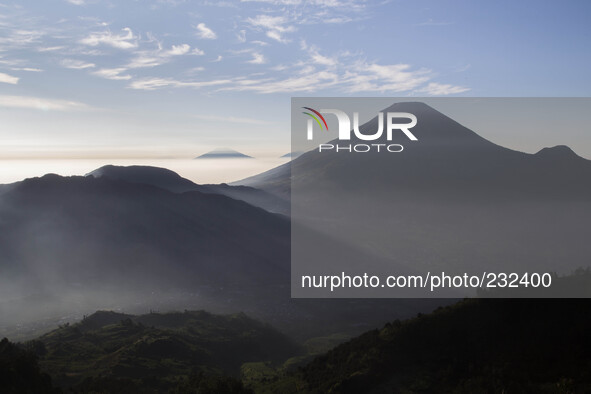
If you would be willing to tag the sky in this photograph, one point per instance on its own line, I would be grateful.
(172, 79)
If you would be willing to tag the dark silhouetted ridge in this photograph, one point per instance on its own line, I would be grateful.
(156, 176)
(475, 346)
(171, 181)
(559, 152)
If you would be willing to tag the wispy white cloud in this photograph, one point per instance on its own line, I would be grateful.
(320, 73)
(373, 77)
(41, 103)
(274, 26)
(76, 64)
(29, 69)
(12, 62)
(50, 49)
(18, 37)
(177, 50)
(307, 69)
(439, 89)
(195, 70)
(126, 40)
(153, 58)
(306, 82)
(221, 4)
(76, 2)
(153, 83)
(257, 58)
(112, 73)
(156, 83)
(317, 58)
(338, 20)
(93, 21)
(143, 60)
(5, 78)
(205, 32)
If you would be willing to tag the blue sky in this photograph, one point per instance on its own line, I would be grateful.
(173, 78)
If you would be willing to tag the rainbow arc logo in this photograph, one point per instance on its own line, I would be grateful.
(316, 118)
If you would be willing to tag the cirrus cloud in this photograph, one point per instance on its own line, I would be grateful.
(439, 89)
(274, 26)
(112, 73)
(205, 32)
(5, 78)
(127, 40)
(76, 64)
(27, 102)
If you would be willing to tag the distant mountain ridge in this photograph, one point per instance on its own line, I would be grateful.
(223, 154)
(156, 176)
(170, 180)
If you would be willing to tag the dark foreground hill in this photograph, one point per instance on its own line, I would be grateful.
(20, 373)
(475, 346)
(156, 352)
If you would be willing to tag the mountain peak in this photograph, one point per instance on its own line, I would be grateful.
(557, 152)
(223, 153)
(156, 176)
(110, 170)
(432, 128)
(410, 105)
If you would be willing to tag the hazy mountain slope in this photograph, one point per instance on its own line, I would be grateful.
(190, 232)
(276, 181)
(86, 238)
(75, 244)
(451, 201)
(170, 180)
(258, 198)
